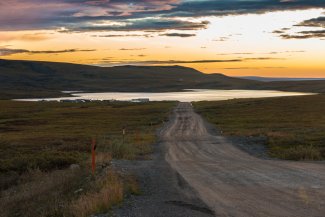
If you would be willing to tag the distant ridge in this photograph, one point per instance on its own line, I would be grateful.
(24, 79)
(29, 79)
(269, 79)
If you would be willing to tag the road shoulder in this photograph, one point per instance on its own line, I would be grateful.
(164, 192)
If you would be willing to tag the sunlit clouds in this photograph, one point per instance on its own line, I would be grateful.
(265, 38)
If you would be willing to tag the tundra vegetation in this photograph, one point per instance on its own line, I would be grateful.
(45, 154)
(293, 127)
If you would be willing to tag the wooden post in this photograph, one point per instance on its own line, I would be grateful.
(93, 156)
(123, 135)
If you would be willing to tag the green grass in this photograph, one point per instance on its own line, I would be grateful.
(67, 193)
(40, 140)
(51, 135)
(294, 127)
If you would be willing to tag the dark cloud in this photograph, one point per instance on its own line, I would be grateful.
(82, 15)
(8, 51)
(124, 35)
(182, 35)
(278, 32)
(151, 25)
(305, 35)
(239, 68)
(226, 7)
(263, 58)
(162, 62)
(316, 22)
(242, 68)
(60, 51)
(172, 62)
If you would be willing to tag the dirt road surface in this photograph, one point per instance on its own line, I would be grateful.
(234, 183)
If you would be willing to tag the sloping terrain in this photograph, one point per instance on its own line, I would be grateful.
(24, 79)
(47, 78)
(316, 86)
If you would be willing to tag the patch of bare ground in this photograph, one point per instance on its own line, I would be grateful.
(164, 192)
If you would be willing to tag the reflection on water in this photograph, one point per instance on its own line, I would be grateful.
(185, 96)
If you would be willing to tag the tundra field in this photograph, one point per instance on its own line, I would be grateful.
(45, 146)
(40, 140)
(292, 128)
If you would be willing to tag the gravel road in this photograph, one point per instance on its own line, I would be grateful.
(194, 172)
(232, 182)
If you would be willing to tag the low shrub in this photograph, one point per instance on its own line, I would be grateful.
(293, 126)
(109, 192)
(299, 152)
(44, 161)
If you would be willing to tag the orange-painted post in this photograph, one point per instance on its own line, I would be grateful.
(123, 135)
(93, 156)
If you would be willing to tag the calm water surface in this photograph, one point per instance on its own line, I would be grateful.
(185, 96)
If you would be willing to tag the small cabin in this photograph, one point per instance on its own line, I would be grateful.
(141, 100)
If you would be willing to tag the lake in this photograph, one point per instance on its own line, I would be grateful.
(184, 96)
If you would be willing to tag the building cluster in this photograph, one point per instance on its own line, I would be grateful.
(139, 100)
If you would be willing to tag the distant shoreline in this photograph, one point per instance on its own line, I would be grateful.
(270, 79)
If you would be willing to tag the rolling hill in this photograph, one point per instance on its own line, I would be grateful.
(25, 79)
(30, 78)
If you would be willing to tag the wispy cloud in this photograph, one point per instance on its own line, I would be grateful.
(122, 35)
(316, 22)
(128, 49)
(305, 35)
(182, 35)
(224, 38)
(163, 62)
(245, 68)
(8, 51)
(172, 62)
(60, 51)
(149, 25)
(266, 53)
(318, 25)
(24, 37)
(239, 53)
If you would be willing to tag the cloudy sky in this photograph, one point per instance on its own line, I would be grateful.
(234, 37)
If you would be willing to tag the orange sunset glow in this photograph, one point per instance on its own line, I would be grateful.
(269, 38)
